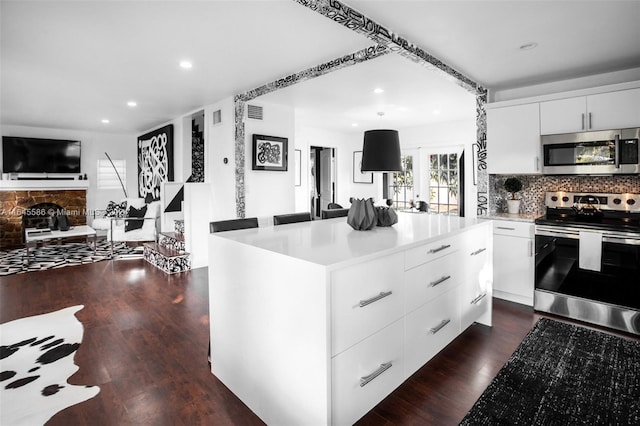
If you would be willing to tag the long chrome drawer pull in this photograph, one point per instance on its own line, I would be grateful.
(506, 228)
(443, 247)
(439, 327)
(439, 281)
(383, 367)
(478, 251)
(382, 295)
(478, 299)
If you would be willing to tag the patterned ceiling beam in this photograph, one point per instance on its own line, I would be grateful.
(356, 21)
(363, 55)
(240, 101)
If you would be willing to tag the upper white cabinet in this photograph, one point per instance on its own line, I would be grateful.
(615, 110)
(563, 116)
(602, 111)
(513, 139)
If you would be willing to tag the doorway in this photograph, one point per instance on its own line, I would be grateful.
(322, 179)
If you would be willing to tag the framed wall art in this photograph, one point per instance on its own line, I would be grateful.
(269, 153)
(155, 161)
(358, 175)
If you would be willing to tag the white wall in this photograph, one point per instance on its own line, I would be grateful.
(270, 192)
(93, 147)
(220, 144)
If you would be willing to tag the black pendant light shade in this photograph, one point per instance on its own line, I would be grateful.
(381, 151)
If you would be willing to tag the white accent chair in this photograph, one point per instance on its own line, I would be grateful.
(115, 226)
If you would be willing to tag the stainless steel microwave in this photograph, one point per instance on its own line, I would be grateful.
(592, 153)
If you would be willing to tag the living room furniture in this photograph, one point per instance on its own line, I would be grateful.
(35, 235)
(116, 227)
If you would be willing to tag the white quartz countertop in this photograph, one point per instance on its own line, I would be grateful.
(520, 217)
(333, 243)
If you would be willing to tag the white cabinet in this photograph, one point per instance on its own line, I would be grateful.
(513, 139)
(602, 111)
(614, 110)
(513, 261)
(476, 289)
(430, 328)
(366, 373)
(364, 299)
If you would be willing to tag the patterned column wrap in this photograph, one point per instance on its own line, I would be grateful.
(482, 189)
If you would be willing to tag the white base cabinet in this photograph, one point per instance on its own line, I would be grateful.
(513, 261)
(302, 343)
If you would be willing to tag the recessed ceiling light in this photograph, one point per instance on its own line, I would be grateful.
(529, 46)
(186, 65)
(132, 104)
(105, 121)
(378, 90)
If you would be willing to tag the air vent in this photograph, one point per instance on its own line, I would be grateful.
(217, 117)
(254, 111)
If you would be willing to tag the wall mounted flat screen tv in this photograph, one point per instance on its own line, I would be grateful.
(31, 155)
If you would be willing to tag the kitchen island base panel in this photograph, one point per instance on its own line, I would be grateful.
(319, 337)
(269, 332)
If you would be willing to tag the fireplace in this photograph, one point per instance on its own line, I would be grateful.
(20, 209)
(40, 215)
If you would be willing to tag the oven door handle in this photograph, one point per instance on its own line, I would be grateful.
(617, 151)
(574, 234)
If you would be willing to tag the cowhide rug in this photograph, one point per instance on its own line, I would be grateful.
(36, 359)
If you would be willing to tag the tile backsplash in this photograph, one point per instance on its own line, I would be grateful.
(535, 186)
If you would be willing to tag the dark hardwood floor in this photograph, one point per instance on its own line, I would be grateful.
(145, 344)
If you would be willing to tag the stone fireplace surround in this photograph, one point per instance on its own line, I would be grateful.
(13, 203)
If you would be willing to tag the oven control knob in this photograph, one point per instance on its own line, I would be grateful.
(631, 201)
(617, 201)
(565, 198)
(554, 198)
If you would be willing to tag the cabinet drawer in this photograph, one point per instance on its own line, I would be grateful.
(364, 299)
(428, 252)
(431, 328)
(366, 373)
(429, 280)
(476, 241)
(513, 228)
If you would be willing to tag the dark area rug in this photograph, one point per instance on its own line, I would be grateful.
(58, 256)
(562, 374)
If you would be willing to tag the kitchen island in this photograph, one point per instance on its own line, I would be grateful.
(314, 323)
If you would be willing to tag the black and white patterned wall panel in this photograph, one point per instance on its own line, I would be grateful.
(155, 161)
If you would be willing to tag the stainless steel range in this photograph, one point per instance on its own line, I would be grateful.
(588, 258)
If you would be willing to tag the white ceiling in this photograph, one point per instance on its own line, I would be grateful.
(69, 64)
